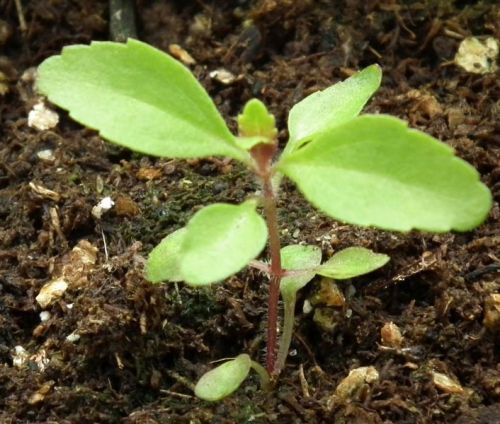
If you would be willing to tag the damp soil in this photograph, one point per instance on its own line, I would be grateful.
(116, 349)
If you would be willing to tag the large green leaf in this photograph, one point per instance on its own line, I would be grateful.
(332, 106)
(138, 97)
(298, 257)
(164, 260)
(223, 380)
(352, 262)
(373, 170)
(220, 240)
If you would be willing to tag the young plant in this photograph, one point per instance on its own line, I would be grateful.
(369, 170)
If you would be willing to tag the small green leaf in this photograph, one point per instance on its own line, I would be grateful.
(257, 121)
(138, 97)
(223, 380)
(220, 240)
(298, 257)
(375, 171)
(331, 107)
(164, 260)
(247, 143)
(352, 262)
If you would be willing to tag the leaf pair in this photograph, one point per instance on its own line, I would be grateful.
(368, 170)
(223, 380)
(347, 263)
(218, 241)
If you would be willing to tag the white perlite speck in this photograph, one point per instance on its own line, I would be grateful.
(42, 118)
(478, 55)
(44, 316)
(103, 206)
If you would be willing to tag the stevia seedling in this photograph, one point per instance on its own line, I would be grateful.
(369, 170)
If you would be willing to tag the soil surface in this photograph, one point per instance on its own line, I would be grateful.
(115, 349)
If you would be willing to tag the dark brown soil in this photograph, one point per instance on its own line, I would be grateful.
(141, 346)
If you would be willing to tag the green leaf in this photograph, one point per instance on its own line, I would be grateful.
(257, 121)
(352, 262)
(164, 260)
(138, 97)
(220, 240)
(247, 143)
(298, 257)
(375, 171)
(223, 380)
(331, 107)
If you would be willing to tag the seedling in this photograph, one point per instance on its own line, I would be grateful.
(368, 170)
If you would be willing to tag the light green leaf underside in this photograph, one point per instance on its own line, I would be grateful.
(138, 97)
(164, 260)
(375, 171)
(332, 106)
(223, 380)
(298, 257)
(220, 240)
(352, 262)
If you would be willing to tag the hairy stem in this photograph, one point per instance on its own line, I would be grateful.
(286, 336)
(276, 272)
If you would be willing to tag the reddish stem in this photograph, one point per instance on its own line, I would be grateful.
(263, 155)
(276, 271)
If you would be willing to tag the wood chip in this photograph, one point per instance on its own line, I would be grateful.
(492, 312)
(179, 53)
(149, 173)
(73, 270)
(41, 393)
(446, 384)
(4, 84)
(223, 76)
(125, 206)
(45, 192)
(390, 335)
(349, 388)
(328, 294)
(51, 291)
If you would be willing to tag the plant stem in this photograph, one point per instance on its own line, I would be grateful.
(276, 271)
(263, 156)
(265, 382)
(286, 336)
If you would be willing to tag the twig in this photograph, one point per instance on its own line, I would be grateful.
(20, 16)
(175, 394)
(485, 270)
(180, 379)
(105, 245)
(303, 382)
(122, 20)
